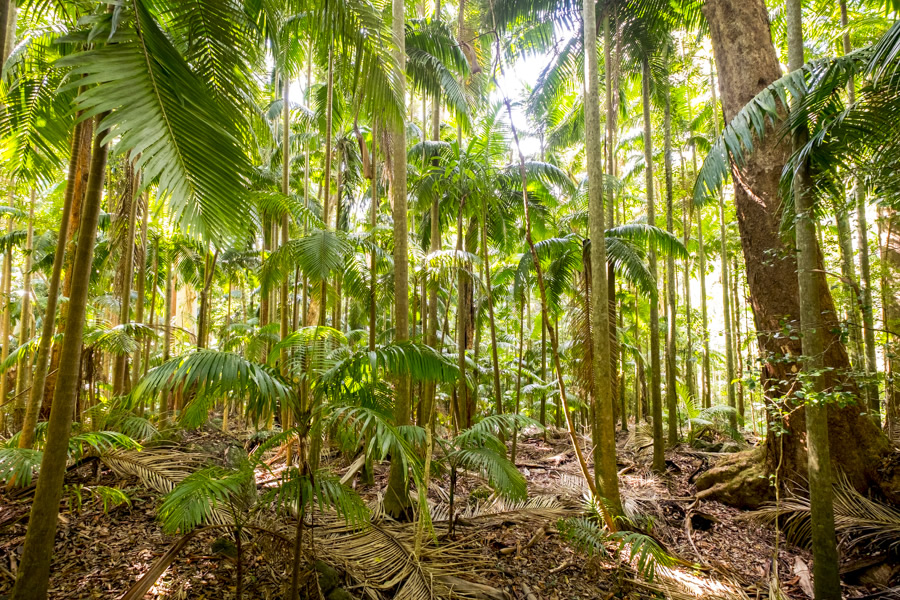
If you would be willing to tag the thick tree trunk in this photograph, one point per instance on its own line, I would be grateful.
(34, 568)
(747, 63)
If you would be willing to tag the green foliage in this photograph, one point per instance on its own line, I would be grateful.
(203, 495)
(19, 465)
(159, 109)
(638, 550)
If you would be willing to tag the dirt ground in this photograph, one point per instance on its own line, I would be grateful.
(100, 554)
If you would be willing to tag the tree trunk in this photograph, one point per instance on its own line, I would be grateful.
(80, 181)
(671, 331)
(7, 27)
(486, 265)
(43, 356)
(704, 314)
(747, 63)
(603, 428)
(33, 576)
(141, 286)
(7, 302)
(23, 369)
(396, 498)
(723, 256)
(126, 273)
(826, 577)
(891, 262)
(659, 462)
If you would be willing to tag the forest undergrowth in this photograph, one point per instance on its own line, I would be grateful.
(106, 542)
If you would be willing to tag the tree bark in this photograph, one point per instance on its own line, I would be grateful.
(33, 576)
(826, 577)
(891, 261)
(141, 287)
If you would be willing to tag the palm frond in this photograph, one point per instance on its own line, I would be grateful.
(159, 109)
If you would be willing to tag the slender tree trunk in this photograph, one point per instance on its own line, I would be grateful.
(23, 370)
(7, 27)
(167, 335)
(738, 357)
(826, 578)
(671, 314)
(285, 225)
(515, 434)
(373, 223)
(659, 462)
(326, 183)
(26, 440)
(603, 427)
(726, 304)
(485, 260)
(7, 305)
(126, 275)
(82, 170)
(33, 576)
(396, 499)
(462, 312)
(146, 361)
(891, 262)
(141, 289)
(704, 314)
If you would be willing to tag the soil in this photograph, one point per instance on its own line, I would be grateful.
(101, 553)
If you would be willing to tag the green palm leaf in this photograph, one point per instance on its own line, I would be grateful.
(159, 109)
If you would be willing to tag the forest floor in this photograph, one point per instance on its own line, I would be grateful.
(100, 554)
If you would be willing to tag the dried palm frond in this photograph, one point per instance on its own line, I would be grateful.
(381, 558)
(679, 584)
(857, 519)
(159, 469)
(535, 508)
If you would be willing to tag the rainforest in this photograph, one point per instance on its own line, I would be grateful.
(449, 299)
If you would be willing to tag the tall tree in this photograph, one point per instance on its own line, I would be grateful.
(396, 498)
(659, 461)
(747, 63)
(33, 576)
(826, 572)
(604, 426)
